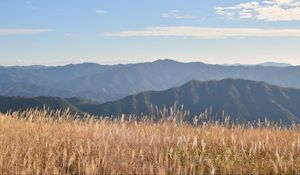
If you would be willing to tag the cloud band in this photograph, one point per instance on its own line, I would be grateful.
(5, 32)
(207, 32)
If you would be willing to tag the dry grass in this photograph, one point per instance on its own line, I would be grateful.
(35, 143)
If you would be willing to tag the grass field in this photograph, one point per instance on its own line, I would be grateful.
(53, 143)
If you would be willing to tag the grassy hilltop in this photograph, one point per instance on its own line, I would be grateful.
(53, 143)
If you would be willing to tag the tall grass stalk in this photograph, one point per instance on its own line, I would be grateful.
(43, 142)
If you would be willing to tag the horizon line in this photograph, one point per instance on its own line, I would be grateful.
(142, 62)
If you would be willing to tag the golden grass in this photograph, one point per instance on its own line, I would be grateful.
(35, 143)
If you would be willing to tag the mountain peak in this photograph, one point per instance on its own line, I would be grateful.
(165, 61)
(243, 100)
(275, 64)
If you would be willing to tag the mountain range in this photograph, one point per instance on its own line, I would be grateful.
(274, 64)
(23, 103)
(243, 100)
(104, 83)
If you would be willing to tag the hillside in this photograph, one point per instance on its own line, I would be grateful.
(32, 90)
(55, 144)
(243, 100)
(23, 103)
(105, 83)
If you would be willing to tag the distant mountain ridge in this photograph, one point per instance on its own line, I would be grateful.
(105, 83)
(275, 64)
(243, 100)
(23, 103)
(265, 64)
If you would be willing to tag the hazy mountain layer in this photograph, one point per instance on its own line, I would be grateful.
(243, 100)
(107, 83)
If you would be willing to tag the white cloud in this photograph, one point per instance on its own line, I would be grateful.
(207, 32)
(268, 10)
(176, 14)
(101, 12)
(22, 31)
(30, 5)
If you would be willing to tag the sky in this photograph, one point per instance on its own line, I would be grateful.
(56, 32)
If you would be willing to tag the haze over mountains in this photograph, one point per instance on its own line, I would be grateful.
(266, 64)
(111, 82)
(243, 100)
(274, 64)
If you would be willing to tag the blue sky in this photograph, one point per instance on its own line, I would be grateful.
(55, 32)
